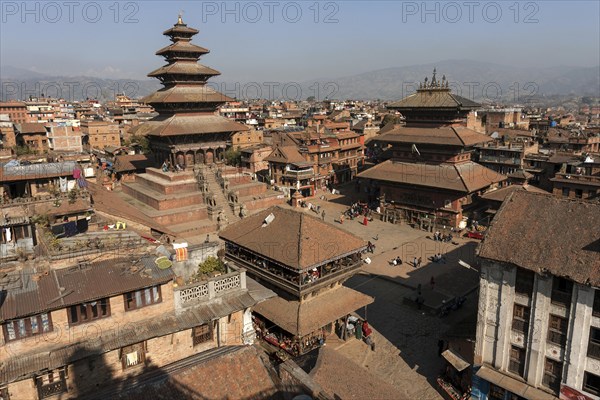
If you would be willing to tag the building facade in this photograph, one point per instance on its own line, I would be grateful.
(538, 331)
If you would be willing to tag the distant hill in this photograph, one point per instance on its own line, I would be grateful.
(18, 83)
(473, 79)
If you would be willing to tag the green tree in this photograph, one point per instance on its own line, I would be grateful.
(211, 264)
(140, 140)
(390, 118)
(233, 156)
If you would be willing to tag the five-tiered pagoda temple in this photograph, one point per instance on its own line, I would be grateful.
(188, 129)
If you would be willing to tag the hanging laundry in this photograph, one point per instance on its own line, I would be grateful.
(181, 254)
(63, 184)
(82, 183)
(8, 235)
(76, 173)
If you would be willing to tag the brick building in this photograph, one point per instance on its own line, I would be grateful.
(99, 134)
(33, 136)
(73, 331)
(315, 159)
(64, 138)
(16, 111)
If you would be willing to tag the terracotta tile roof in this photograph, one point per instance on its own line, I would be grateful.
(466, 177)
(502, 193)
(293, 238)
(184, 68)
(543, 232)
(452, 136)
(432, 99)
(184, 47)
(180, 28)
(182, 94)
(127, 162)
(344, 379)
(188, 124)
(346, 135)
(240, 373)
(303, 318)
(285, 154)
(31, 127)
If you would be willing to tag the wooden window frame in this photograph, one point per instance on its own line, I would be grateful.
(593, 349)
(557, 331)
(141, 350)
(524, 282)
(26, 323)
(559, 296)
(55, 385)
(88, 309)
(552, 376)
(520, 362)
(585, 387)
(520, 323)
(596, 306)
(131, 299)
(202, 334)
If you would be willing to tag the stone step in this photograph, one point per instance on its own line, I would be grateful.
(166, 187)
(171, 176)
(161, 201)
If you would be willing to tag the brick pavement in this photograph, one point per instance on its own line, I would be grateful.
(450, 279)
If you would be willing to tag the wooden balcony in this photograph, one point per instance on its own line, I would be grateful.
(278, 279)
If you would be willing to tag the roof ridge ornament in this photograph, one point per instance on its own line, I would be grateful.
(179, 18)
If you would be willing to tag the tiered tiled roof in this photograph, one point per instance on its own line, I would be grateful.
(186, 105)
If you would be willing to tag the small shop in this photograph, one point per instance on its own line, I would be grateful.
(298, 327)
(456, 377)
(279, 338)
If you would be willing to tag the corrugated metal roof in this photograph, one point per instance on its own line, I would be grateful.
(30, 292)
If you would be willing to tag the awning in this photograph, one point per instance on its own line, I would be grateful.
(303, 318)
(456, 360)
(513, 385)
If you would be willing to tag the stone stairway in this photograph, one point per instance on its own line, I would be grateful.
(221, 198)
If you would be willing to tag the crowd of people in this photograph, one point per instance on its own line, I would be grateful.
(439, 237)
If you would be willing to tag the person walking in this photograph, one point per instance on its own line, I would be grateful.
(365, 221)
(342, 218)
(323, 215)
(419, 262)
(415, 262)
(432, 282)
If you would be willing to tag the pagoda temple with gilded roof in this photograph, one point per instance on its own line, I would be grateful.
(188, 130)
(430, 179)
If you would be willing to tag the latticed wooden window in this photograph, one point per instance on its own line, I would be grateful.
(202, 334)
(52, 383)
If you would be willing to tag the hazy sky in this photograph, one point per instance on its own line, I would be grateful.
(295, 41)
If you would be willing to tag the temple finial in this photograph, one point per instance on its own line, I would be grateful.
(179, 18)
(433, 81)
